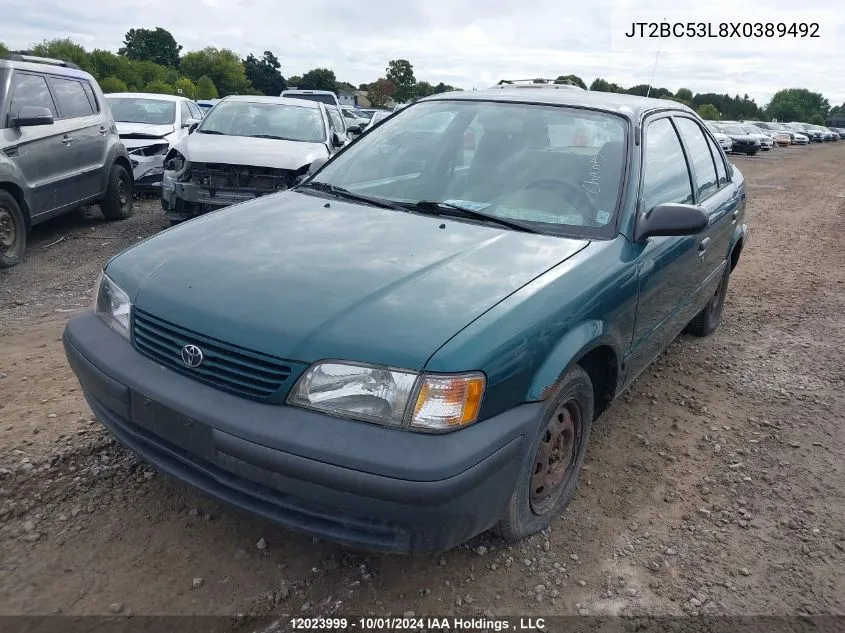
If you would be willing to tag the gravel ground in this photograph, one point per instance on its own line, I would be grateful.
(713, 486)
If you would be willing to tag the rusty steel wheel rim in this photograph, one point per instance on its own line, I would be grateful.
(556, 455)
(7, 229)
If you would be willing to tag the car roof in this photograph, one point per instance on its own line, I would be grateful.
(50, 66)
(302, 91)
(143, 95)
(302, 103)
(630, 106)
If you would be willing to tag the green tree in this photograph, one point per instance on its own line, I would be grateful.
(296, 81)
(574, 79)
(423, 89)
(113, 84)
(684, 94)
(797, 104)
(65, 49)
(3, 50)
(188, 88)
(264, 73)
(206, 88)
(221, 65)
(401, 73)
(319, 79)
(380, 91)
(708, 112)
(600, 85)
(441, 87)
(160, 87)
(816, 119)
(157, 46)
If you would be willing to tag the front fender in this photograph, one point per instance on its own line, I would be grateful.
(116, 152)
(569, 349)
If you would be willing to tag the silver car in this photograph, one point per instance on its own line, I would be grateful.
(149, 125)
(245, 147)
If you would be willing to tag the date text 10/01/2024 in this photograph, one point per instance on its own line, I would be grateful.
(722, 29)
(415, 623)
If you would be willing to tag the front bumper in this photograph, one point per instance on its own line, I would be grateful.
(353, 483)
(183, 200)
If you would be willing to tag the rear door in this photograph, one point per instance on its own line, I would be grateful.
(84, 141)
(718, 199)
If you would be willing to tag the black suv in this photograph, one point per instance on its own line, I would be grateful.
(59, 149)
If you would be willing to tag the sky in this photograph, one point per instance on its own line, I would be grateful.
(465, 43)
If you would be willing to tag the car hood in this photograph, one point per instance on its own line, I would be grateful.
(243, 150)
(720, 137)
(303, 277)
(153, 131)
(742, 137)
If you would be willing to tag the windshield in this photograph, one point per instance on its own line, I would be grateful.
(149, 111)
(264, 120)
(733, 129)
(557, 168)
(322, 98)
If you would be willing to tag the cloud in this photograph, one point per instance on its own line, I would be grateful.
(468, 43)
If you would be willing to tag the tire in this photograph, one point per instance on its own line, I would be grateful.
(752, 152)
(175, 222)
(117, 203)
(12, 231)
(707, 321)
(536, 501)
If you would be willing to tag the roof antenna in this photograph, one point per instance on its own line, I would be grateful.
(651, 81)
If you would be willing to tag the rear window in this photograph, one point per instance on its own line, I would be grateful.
(322, 98)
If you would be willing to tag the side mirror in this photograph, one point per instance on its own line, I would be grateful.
(354, 129)
(314, 167)
(192, 127)
(336, 140)
(189, 122)
(670, 219)
(32, 115)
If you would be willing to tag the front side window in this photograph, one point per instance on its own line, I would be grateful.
(264, 120)
(142, 110)
(705, 171)
(337, 120)
(559, 169)
(719, 160)
(71, 98)
(186, 112)
(666, 177)
(30, 90)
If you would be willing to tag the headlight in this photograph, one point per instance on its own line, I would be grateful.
(433, 402)
(112, 305)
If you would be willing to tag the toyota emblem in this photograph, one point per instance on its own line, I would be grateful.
(192, 356)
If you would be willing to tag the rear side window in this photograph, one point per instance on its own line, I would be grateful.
(666, 177)
(89, 91)
(700, 157)
(720, 162)
(71, 98)
(30, 90)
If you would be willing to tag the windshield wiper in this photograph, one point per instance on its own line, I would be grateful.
(437, 208)
(210, 132)
(345, 194)
(272, 136)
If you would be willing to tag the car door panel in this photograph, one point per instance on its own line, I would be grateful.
(81, 161)
(669, 268)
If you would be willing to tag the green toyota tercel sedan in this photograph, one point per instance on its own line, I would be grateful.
(410, 347)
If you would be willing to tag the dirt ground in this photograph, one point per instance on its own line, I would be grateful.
(713, 486)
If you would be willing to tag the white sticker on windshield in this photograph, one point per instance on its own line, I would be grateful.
(602, 217)
(469, 204)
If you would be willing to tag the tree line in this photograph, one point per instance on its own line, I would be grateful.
(151, 60)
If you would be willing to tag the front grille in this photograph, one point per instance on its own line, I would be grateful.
(225, 366)
(220, 176)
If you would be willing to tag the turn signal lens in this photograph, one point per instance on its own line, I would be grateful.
(448, 402)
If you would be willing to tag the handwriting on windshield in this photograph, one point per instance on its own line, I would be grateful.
(592, 184)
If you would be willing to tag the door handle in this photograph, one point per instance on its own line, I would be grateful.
(103, 130)
(67, 140)
(734, 216)
(702, 247)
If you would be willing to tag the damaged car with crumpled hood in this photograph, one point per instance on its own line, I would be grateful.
(244, 148)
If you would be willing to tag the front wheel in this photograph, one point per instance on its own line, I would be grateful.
(706, 321)
(12, 231)
(550, 469)
(752, 152)
(117, 203)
